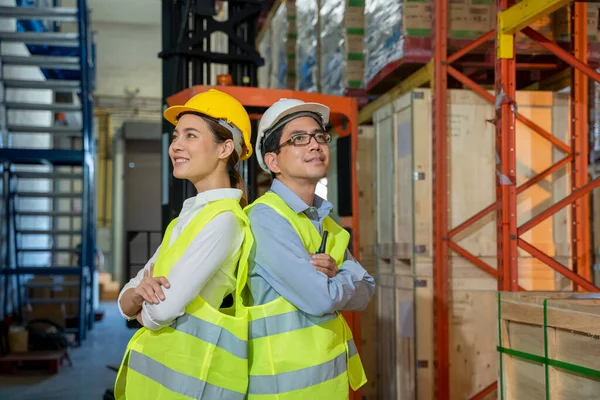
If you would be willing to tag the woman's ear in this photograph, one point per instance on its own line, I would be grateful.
(271, 161)
(227, 147)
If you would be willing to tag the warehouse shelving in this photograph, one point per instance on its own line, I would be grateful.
(67, 62)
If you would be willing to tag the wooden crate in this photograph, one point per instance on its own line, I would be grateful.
(549, 344)
(368, 318)
(395, 331)
(403, 249)
(406, 325)
(366, 199)
(403, 132)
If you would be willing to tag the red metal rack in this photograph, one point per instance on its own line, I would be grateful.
(576, 154)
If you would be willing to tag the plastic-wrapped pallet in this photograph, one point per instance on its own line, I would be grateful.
(387, 26)
(397, 28)
(307, 18)
(283, 47)
(264, 48)
(342, 45)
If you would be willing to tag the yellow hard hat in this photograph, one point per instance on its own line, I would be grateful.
(225, 109)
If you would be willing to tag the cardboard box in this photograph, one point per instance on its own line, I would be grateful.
(290, 46)
(562, 23)
(354, 21)
(341, 71)
(470, 19)
(43, 291)
(55, 312)
(417, 18)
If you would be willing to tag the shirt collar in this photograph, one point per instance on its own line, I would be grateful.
(203, 198)
(296, 203)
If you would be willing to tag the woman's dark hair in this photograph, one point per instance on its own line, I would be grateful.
(221, 134)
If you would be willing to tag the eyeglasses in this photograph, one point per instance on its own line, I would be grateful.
(303, 139)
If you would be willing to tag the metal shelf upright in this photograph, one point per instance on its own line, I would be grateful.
(441, 276)
(512, 18)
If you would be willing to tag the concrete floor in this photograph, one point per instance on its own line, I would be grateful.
(88, 378)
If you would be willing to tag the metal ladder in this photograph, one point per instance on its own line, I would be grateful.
(49, 188)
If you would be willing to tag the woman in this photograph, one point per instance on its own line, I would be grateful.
(187, 347)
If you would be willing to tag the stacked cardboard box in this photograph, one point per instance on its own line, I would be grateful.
(470, 19)
(341, 35)
(109, 289)
(562, 23)
(315, 46)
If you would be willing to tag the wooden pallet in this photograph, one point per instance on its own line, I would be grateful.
(51, 359)
(417, 53)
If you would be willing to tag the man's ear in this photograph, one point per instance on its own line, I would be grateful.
(226, 149)
(271, 161)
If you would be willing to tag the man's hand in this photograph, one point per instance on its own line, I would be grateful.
(150, 289)
(325, 264)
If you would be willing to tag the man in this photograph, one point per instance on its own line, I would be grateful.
(300, 345)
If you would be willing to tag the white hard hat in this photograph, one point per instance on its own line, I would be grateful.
(277, 112)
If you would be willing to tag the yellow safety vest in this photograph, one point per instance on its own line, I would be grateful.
(294, 355)
(204, 353)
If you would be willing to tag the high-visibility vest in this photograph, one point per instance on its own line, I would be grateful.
(204, 353)
(294, 355)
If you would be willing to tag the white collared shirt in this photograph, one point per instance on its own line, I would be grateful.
(207, 267)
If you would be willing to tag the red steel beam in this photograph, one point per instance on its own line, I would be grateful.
(506, 190)
(471, 46)
(441, 274)
(558, 267)
(560, 53)
(474, 260)
(471, 84)
(478, 262)
(525, 121)
(542, 175)
(580, 210)
(588, 187)
(533, 181)
(544, 133)
(488, 390)
(520, 66)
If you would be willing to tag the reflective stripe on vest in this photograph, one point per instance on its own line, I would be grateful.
(177, 382)
(212, 334)
(204, 353)
(290, 321)
(294, 355)
(303, 378)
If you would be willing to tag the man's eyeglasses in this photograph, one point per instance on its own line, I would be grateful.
(303, 139)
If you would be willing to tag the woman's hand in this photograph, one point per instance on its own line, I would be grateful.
(150, 289)
(139, 319)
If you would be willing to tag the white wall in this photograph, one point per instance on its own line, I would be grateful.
(128, 40)
(127, 58)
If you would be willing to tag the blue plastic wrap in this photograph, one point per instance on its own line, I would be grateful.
(307, 17)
